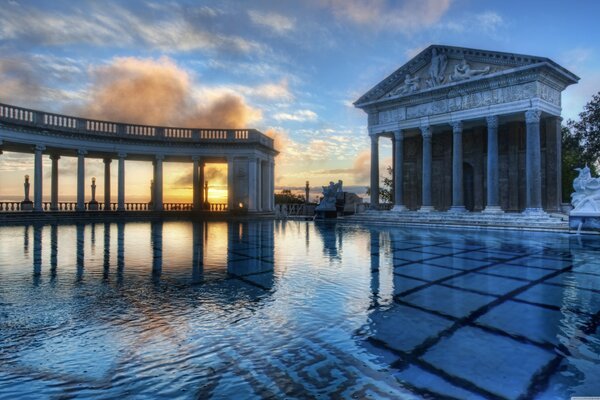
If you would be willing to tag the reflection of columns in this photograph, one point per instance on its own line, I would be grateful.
(54, 183)
(37, 249)
(533, 163)
(196, 187)
(252, 184)
(158, 182)
(38, 178)
(156, 236)
(53, 249)
(120, 250)
(106, 248)
(107, 162)
(81, 180)
(198, 252)
(458, 200)
(374, 171)
(230, 181)
(398, 171)
(121, 183)
(374, 236)
(493, 198)
(259, 186)
(80, 250)
(426, 187)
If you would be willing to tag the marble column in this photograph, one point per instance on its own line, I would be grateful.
(158, 182)
(399, 171)
(426, 187)
(38, 178)
(374, 171)
(493, 184)
(196, 188)
(458, 200)
(533, 169)
(54, 182)
(252, 204)
(203, 200)
(107, 162)
(81, 180)
(271, 193)
(265, 185)
(259, 186)
(230, 180)
(121, 183)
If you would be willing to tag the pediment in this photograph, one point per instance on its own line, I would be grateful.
(439, 66)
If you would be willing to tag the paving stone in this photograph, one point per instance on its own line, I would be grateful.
(498, 364)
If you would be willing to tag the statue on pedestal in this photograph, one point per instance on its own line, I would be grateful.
(586, 198)
(93, 205)
(26, 204)
(332, 194)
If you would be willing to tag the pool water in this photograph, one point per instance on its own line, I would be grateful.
(296, 310)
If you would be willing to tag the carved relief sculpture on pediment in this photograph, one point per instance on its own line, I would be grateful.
(410, 85)
(437, 68)
(464, 71)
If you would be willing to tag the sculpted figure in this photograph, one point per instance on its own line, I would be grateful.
(464, 71)
(439, 62)
(329, 197)
(587, 192)
(26, 188)
(410, 85)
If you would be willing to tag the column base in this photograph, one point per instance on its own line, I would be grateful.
(399, 208)
(457, 209)
(493, 210)
(534, 212)
(374, 207)
(426, 209)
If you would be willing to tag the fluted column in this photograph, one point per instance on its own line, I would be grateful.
(121, 183)
(374, 171)
(252, 203)
(458, 200)
(271, 185)
(158, 182)
(493, 184)
(259, 186)
(81, 180)
(230, 180)
(54, 182)
(203, 199)
(107, 162)
(399, 171)
(426, 183)
(533, 168)
(196, 188)
(38, 178)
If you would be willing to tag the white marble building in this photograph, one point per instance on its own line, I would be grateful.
(472, 130)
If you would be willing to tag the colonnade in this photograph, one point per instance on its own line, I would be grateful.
(533, 167)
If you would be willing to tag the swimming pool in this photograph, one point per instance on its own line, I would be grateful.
(296, 310)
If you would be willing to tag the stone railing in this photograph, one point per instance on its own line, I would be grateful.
(9, 206)
(56, 122)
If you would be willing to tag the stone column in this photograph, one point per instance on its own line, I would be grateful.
(230, 180)
(426, 188)
(107, 162)
(259, 186)
(272, 186)
(158, 182)
(493, 184)
(38, 178)
(54, 182)
(252, 204)
(533, 170)
(374, 171)
(121, 183)
(265, 185)
(203, 198)
(196, 188)
(399, 171)
(458, 200)
(81, 180)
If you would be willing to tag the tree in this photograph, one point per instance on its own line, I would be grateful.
(581, 145)
(287, 197)
(386, 189)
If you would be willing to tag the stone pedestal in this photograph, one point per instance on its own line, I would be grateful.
(586, 221)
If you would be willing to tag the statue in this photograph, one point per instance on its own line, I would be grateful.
(93, 205)
(26, 204)
(410, 85)
(463, 71)
(439, 62)
(586, 198)
(327, 207)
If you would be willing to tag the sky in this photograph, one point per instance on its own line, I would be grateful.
(291, 69)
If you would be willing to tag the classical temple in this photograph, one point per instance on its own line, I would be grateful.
(472, 130)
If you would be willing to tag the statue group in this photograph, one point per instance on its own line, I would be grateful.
(586, 198)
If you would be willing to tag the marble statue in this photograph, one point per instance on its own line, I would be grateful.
(464, 71)
(437, 68)
(410, 85)
(26, 186)
(330, 195)
(93, 204)
(586, 198)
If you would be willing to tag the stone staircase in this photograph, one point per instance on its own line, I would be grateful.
(542, 222)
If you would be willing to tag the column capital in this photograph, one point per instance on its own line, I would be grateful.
(374, 136)
(457, 127)
(425, 131)
(81, 152)
(159, 157)
(122, 155)
(55, 156)
(107, 160)
(399, 134)
(492, 121)
(196, 158)
(40, 147)
(532, 115)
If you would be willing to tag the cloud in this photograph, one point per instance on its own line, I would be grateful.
(158, 92)
(487, 22)
(279, 24)
(299, 116)
(168, 29)
(407, 16)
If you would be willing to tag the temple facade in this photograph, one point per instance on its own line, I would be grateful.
(472, 130)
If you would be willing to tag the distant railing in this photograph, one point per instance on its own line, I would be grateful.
(139, 206)
(63, 123)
